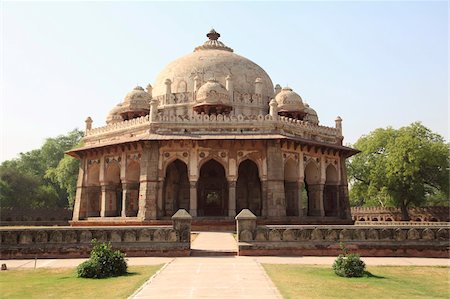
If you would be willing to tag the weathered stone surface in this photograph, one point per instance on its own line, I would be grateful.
(428, 234)
(289, 235)
(262, 234)
(56, 237)
(274, 235)
(172, 236)
(116, 236)
(25, 238)
(246, 236)
(345, 235)
(41, 237)
(359, 234)
(145, 235)
(85, 236)
(331, 235)
(373, 234)
(159, 235)
(443, 234)
(413, 234)
(129, 236)
(316, 235)
(386, 234)
(400, 234)
(70, 237)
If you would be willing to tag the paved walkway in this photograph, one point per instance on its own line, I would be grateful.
(217, 276)
(210, 277)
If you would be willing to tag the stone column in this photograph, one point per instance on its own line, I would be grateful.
(103, 201)
(148, 190)
(264, 198)
(193, 198)
(126, 197)
(316, 200)
(161, 209)
(300, 195)
(231, 198)
(276, 203)
(245, 225)
(80, 197)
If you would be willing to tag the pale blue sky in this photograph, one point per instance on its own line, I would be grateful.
(373, 63)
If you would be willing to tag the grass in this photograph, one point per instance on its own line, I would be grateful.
(298, 281)
(63, 283)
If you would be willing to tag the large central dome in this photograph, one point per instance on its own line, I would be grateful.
(213, 60)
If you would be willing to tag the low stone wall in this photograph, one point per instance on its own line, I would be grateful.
(376, 214)
(76, 241)
(323, 240)
(36, 216)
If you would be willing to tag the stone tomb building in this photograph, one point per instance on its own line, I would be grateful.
(212, 136)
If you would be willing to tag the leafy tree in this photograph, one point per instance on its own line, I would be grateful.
(36, 178)
(402, 168)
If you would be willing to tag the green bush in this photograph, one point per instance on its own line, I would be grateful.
(349, 265)
(104, 262)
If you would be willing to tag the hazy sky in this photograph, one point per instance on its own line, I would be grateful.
(375, 64)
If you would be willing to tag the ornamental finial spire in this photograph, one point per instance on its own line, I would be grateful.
(213, 35)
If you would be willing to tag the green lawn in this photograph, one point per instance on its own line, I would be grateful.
(299, 281)
(63, 283)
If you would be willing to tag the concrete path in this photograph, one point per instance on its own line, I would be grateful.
(210, 277)
(214, 242)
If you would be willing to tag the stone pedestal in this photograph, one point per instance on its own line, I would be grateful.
(245, 225)
(182, 224)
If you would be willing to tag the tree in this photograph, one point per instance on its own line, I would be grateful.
(402, 168)
(36, 178)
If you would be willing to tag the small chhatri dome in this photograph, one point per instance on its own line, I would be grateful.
(288, 100)
(212, 92)
(311, 115)
(213, 43)
(114, 115)
(212, 98)
(135, 104)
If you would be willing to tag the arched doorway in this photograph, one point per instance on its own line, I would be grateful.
(312, 180)
(212, 190)
(94, 192)
(248, 188)
(113, 189)
(291, 187)
(176, 188)
(330, 192)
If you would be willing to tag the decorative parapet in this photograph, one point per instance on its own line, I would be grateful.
(391, 214)
(204, 123)
(120, 126)
(431, 241)
(69, 242)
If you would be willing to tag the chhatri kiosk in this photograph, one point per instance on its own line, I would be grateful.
(212, 136)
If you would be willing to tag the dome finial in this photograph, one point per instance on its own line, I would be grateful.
(213, 35)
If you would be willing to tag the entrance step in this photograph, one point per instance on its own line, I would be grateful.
(214, 244)
(196, 252)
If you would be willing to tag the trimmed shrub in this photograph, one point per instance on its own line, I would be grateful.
(349, 265)
(103, 262)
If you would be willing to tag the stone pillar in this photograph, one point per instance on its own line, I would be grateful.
(231, 198)
(343, 193)
(182, 224)
(126, 198)
(264, 198)
(299, 198)
(148, 190)
(277, 89)
(273, 110)
(80, 196)
(103, 201)
(276, 203)
(193, 198)
(316, 200)
(160, 206)
(258, 86)
(245, 225)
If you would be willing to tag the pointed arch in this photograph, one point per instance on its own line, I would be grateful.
(248, 187)
(176, 187)
(93, 191)
(330, 192)
(311, 183)
(212, 189)
(291, 187)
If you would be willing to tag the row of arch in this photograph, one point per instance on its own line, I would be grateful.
(119, 191)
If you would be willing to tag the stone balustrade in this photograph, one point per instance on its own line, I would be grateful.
(426, 241)
(68, 242)
(259, 123)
